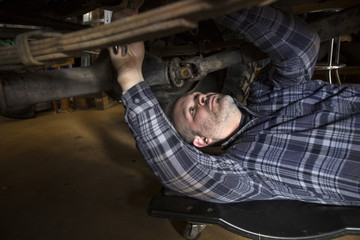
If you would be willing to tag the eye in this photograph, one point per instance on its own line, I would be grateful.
(192, 111)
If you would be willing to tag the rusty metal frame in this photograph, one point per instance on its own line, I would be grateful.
(163, 21)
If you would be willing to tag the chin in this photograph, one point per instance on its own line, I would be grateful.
(227, 100)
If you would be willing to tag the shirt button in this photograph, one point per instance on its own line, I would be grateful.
(136, 100)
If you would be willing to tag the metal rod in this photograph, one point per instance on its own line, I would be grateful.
(330, 58)
(18, 90)
(337, 59)
(222, 60)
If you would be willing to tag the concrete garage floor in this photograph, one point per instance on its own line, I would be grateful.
(79, 176)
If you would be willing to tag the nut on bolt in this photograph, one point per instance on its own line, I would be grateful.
(186, 72)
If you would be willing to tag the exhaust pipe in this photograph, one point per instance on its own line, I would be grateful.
(18, 91)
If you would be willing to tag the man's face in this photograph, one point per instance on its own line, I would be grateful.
(211, 116)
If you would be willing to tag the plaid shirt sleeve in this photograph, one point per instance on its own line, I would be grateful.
(291, 44)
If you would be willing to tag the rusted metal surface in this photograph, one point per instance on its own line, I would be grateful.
(155, 23)
(197, 68)
(29, 88)
(65, 50)
(17, 90)
(339, 23)
(163, 21)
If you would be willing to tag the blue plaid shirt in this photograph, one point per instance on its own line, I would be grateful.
(302, 141)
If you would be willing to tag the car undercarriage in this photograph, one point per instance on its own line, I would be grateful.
(185, 49)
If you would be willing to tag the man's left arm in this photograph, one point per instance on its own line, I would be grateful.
(291, 44)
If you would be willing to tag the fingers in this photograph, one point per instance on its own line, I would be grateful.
(125, 12)
(124, 50)
(115, 49)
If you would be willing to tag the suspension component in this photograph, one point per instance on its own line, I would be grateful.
(197, 68)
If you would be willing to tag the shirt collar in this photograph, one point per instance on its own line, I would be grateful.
(245, 109)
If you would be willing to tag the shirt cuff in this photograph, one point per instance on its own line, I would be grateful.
(139, 97)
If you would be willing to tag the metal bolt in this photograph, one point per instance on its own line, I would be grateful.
(186, 72)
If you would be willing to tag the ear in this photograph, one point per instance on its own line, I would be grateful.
(201, 141)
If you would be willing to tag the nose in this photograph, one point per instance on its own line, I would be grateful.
(201, 98)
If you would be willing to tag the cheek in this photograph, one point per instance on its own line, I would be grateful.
(201, 117)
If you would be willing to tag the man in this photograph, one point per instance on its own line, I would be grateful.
(296, 138)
